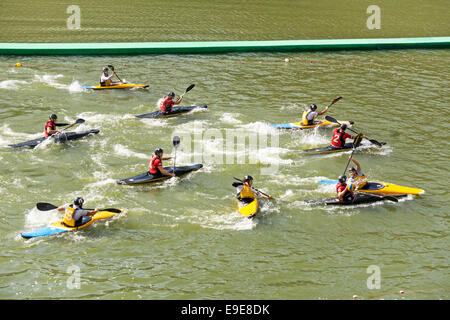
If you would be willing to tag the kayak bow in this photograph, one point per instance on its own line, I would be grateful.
(248, 209)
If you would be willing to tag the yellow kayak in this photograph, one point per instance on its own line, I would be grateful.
(248, 209)
(59, 227)
(389, 188)
(117, 86)
(316, 124)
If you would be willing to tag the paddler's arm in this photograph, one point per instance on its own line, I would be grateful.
(323, 111)
(92, 212)
(166, 173)
(179, 99)
(167, 158)
(358, 167)
(50, 131)
(259, 194)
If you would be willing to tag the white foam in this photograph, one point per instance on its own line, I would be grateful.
(124, 151)
(229, 118)
(50, 80)
(12, 84)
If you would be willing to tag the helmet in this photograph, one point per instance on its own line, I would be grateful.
(248, 178)
(105, 69)
(313, 107)
(171, 94)
(78, 201)
(351, 187)
(159, 151)
(342, 178)
(352, 169)
(53, 116)
(343, 126)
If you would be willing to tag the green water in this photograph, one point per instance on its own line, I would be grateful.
(159, 20)
(183, 238)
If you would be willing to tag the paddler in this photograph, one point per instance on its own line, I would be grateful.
(167, 102)
(343, 190)
(155, 165)
(74, 213)
(309, 116)
(246, 193)
(357, 178)
(339, 137)
(105, 78)
(50, 126)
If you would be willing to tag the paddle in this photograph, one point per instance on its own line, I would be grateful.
(334, 101)
(176, 143)
(189, 89)
(390, 198)
(253, 188)
(375, 142)
(43, 206)
(112, 69)
(76, 122)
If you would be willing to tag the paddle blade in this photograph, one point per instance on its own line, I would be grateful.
(331, 119)
(111, 67)
(43, 206)
(176, 141)
(190, 88)
(328, 181)
(336, 100)
(375, 142)
(80, 121)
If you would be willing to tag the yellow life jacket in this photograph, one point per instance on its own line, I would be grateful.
(247, 192)
(68, 219)
(305, 120)
(359, 181)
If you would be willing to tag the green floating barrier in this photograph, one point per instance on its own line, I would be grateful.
(135, 48)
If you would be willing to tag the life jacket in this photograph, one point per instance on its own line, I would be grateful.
(105, 83)
(305, 120)
(359, 181)
(338, 139)
(166, 105)
(68, 219)
(246, 192)
(153, 168)
(50, 125)
(348, 195)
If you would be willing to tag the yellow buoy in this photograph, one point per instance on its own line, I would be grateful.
(18, 64)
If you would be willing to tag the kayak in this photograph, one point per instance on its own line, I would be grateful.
(317, 124)
(332, 149)
(358, 199)
(176, 111)
(147, 177)
(59, 227)
(248, 208)
(116, 86)
(63, 137)
(382, 188)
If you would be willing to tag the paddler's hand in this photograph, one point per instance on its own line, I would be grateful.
(270, 197)
(172, 174)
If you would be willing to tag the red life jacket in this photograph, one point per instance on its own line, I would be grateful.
(341, 187)
(339, 137)
(50, 125)
(166, 104)
(153, 165)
